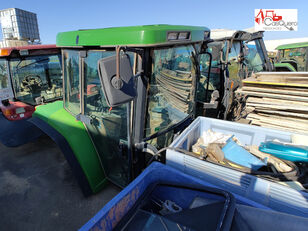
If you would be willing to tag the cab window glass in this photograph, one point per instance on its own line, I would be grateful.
(71, 79)
(234, 61)
(254, 57)
(214, 82)
(37, 78)
(170, 96)
(108, 128)
(3, 74)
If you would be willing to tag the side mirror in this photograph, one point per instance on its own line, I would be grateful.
(117, 79)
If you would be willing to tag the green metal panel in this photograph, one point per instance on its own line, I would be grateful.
(285, 65)
(133, 35)
(292, 45)
(77, 136)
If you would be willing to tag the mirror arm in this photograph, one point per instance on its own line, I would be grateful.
(118, 49)
(208, 75)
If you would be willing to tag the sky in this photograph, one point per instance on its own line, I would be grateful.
(64, 15)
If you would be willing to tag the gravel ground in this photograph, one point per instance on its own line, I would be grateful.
(39, 192)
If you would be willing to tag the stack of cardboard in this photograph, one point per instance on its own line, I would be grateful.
(277, 100)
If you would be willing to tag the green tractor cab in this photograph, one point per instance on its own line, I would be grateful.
(127, 92)
(292, 57)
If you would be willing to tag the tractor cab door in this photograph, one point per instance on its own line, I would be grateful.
(107, 126)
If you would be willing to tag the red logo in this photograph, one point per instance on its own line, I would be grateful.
(269, 14)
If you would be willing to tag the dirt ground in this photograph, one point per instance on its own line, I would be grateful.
(39, 192)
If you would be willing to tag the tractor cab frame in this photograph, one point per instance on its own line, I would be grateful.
(235, 56)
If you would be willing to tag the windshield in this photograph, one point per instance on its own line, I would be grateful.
(254, 57)
(37, 79)
(171, 89)
(295, 56)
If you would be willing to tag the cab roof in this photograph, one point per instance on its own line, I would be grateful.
(148, 35)
(292, 45)
(7, 51)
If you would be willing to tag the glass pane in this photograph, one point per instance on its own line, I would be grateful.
(3, 74)
(234, 60)
(109, 127)
(71, 78)
(170, 97)
(214, 79)
(37, 78)
(254, 57)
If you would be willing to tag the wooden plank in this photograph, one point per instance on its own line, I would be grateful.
(283, 79)
(276, 91)
(297, 108)
(263, 124)
(301, 89)
(287, 118)
(275, 101)
(281, 122)
(284, 74)
(283, 113)
(275, 96)
(255, 81)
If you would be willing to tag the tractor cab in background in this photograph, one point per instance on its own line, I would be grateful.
(292, 57)
(236, 55)
(128, 91)
(30, 76)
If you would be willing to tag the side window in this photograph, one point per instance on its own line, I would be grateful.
(93, 95)
(214, 81)
(108, 128)
(234, 60)
(3, 74)
(71, 78)
(254, 57)
(170, 95)
(55, 71)
(94, 99)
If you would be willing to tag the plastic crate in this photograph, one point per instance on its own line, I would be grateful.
(109, 216)
(270, 194)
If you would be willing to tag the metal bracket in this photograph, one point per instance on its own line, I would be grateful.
(83, 118)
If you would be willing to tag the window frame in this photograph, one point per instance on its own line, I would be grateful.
(195, 80)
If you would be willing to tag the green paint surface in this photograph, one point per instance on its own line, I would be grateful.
(292, 45)
(133, 35)
(77, 136)
(286, 65)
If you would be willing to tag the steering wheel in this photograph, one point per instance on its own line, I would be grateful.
(32, 83)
